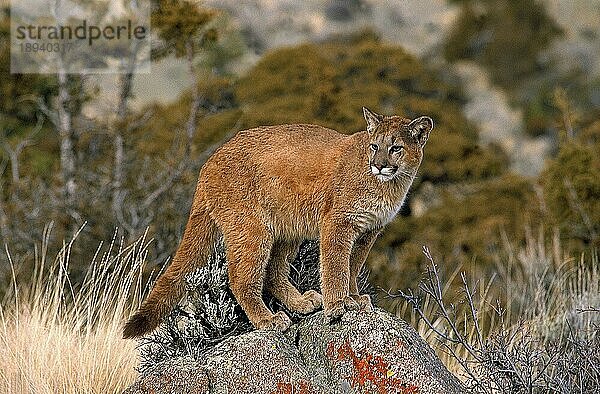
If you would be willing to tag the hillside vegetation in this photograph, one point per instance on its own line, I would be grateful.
(85, 165)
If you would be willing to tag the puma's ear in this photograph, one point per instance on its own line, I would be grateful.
(420, 129)
(373, 119)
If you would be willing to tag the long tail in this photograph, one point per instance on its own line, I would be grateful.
(198, 240)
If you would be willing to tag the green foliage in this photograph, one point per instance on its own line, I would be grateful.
(287, 86)
(19, 93)
(510, 39)
(164, 126)
(182, 26)
(544, 100)
(540, 113)
(20, 98)
(571, 185)
(504, 36)
(220, 53)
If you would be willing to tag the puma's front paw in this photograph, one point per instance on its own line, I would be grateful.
(313, 300)
(279, 322)
(337, 309)
(364, 300)
(307, 303)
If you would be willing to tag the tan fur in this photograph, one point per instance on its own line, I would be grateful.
(269, 188)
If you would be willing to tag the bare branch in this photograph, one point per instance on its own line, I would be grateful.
(14, 153)
(183, 164)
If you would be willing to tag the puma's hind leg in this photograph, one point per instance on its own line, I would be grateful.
(248, 251)
(278, 283)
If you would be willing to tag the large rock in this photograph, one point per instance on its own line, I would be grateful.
(363, 353)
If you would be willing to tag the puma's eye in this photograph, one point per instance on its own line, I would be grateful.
(374, 147)
(396, 148)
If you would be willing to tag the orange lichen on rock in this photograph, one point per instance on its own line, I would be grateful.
(370, 370)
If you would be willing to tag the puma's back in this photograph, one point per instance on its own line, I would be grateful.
(281, 173)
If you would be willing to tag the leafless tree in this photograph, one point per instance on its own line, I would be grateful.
(65, 131)
(129, 65)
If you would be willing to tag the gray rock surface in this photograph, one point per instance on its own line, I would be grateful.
(366, 352)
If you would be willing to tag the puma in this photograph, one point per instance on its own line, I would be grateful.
(268, 189)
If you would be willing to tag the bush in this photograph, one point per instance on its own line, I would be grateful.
(504, 36)
(571, 188)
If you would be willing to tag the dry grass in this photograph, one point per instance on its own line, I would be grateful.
(531, 325)
(60, 338)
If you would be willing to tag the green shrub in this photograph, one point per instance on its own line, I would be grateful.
(571, 185)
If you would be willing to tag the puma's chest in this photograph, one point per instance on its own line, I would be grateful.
(368, 215)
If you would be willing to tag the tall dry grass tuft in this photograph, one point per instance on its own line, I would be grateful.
(56, 337)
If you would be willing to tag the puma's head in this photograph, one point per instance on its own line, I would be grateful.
(395, 144)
